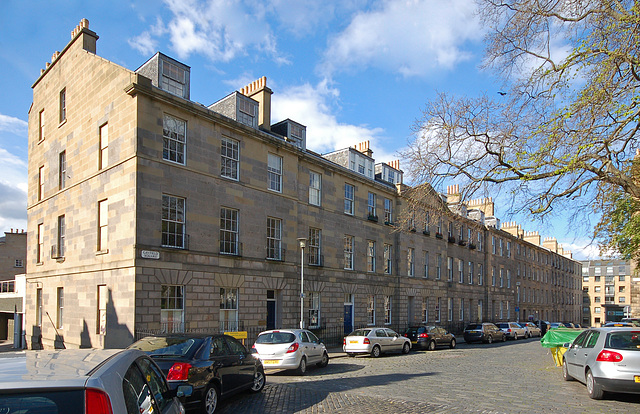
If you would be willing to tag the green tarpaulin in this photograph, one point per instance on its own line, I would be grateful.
(557, 337)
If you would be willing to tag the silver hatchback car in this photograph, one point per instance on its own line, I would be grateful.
(375, 341)
(290, 349)
(605, 359)
(85, 381)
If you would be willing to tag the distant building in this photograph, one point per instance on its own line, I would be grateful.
(148, 211)
(13, 259)
(608, 286)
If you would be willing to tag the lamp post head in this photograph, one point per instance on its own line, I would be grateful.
(302, 242)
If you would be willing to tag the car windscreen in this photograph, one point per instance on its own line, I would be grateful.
(628, 341)
(502, 325)
(168, 346)
(360, 332)
(276, 338)
(53, 402)
(473, 327)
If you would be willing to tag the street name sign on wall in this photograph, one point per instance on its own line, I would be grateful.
(150, 254)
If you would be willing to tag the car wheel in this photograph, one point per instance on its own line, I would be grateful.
(565, 371)
(431, 346)
(210, 401)
(594, 390)
(258, 381)
(324, 361)
(452, 344)
(490, 339)
(406, 348)
(302, 368)
(504, 338)
(375, 352)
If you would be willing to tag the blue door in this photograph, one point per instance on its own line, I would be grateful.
(348, 318)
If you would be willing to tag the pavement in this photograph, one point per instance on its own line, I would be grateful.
(7, 346)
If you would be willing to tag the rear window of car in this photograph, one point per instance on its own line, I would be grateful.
(627, 341)
(276, 338)
(502, 325)
(43, 402)
(168, 346)
(473, 327)
(360, 332)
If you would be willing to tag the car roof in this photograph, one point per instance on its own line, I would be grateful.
(55, 369)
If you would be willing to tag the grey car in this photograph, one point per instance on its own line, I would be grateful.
(531, 329)
(512, 330)
(85, 381)
(605, 359)
(483, 332)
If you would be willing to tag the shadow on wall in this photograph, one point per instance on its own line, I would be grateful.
(85, 337)
(117, 335)
(36, 337)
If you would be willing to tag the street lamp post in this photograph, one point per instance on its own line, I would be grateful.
(303, 244)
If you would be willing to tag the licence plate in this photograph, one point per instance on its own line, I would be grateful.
(636, 378)
(353, 342)
(270, 362)
(414, 342)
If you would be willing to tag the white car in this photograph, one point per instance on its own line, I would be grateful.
(290, 349)
(375, 341)
(605, 359)
(86, 381)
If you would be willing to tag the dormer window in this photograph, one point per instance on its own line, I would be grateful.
(173, 79)
(247, 112)
(296, 131)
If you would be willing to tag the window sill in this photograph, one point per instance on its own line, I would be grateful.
(39, 263)
(101, 252)
(64, 121)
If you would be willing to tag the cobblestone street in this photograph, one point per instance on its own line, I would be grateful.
(511, 377)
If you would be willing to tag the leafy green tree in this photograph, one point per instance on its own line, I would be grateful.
(562, 131)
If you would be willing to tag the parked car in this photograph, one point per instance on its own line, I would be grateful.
(569, 324)
(532, 329)
(555, 325)
(86, 381)
(605, 359)
(483, 332)
(429, 337)
(617, 324)
(217, 366)
(633, 321)
(290, 349)
(512, 330)
(375, 341)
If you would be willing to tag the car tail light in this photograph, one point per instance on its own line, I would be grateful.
(96, 402)
(254, 350)
(344, 341)
(423, 335)
(509, 330)
(179, 372)
(609, 356)
(366, 341)
(293, 348)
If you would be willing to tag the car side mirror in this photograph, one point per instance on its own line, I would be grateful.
(566, 345)
(182, 391)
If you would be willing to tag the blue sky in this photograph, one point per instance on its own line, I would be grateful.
(350, 70)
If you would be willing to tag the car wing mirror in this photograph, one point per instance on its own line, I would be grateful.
(566, 345)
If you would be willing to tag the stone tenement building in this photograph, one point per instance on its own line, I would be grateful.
(13, 256)
(148, 210)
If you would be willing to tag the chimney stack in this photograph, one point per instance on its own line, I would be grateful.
(259, 91)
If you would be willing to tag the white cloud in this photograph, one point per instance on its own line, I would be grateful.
(13, 187)
(409, 37)
(13, 125)
(143, 43)
(218, 29)
(314, 107)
